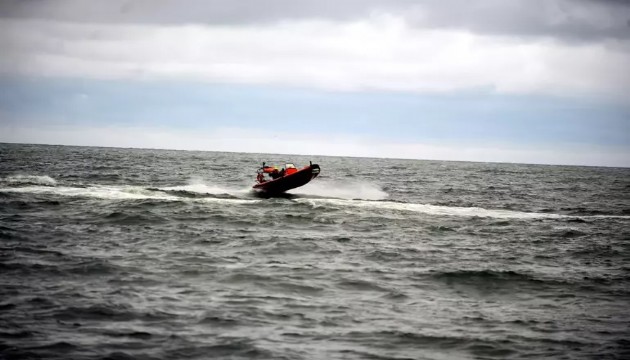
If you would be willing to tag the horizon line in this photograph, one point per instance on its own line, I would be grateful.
(340, 156)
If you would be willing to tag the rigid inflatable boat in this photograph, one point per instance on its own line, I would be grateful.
(272, 180)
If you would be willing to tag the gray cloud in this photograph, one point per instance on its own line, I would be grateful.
(568, 20)
(574, 20)
(192, 11)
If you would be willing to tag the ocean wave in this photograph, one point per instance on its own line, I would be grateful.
(194, 194)
(361, 285)
(406, 338)
(442, 210)
(26, 205)
(570, 233)
(141, 335)
(28, 249)
(59, 346)
(583, 211)
(87, 267)
(10, 234)
(509, 280)
(229, 348)
(122, 218)
(17, 334)
(218, 321)
(109, 312)
(42, 180)
(471, 276)
(120, 355)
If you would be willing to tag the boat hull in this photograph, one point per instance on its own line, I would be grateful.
(288, 182)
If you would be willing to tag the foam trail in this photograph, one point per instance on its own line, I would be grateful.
(116, 193)
(342, 190)
(446, 210)
(29, 180)
(198, 186)
(199, 189)
(99, 192)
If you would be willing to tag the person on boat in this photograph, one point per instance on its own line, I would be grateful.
(275, 173)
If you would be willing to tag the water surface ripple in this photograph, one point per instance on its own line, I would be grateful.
(152, 254)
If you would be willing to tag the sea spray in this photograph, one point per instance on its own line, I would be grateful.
(43, 180)
(200, 186)
(341, 189)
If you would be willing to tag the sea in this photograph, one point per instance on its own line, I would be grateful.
(111, 253)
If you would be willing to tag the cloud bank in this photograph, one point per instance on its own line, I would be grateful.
(570, 20)
(382, 52)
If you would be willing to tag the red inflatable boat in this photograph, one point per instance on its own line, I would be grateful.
(272, 180)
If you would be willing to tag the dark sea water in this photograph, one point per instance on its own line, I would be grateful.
(153, 254)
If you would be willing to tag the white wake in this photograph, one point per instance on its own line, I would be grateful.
(358, 195)
(199, 186)
(348, 190)
(118, 193)
(29, 180)
(444, 210)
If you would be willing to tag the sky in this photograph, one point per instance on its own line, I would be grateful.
(527, 81)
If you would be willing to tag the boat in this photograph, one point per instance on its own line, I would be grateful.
(271, 180)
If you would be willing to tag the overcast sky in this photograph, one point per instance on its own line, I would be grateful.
(537, 81)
